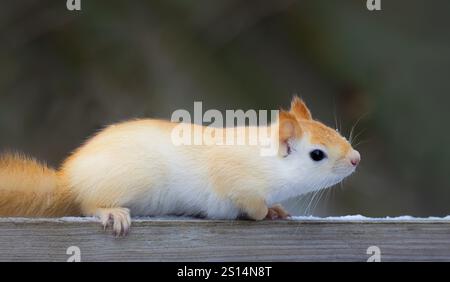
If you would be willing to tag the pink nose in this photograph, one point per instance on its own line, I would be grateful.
(354, 157)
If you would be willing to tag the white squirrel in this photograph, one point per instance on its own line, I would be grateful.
(133, 168)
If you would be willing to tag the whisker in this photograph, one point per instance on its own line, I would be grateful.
(335, 113)
(322, 192)
(354, 126)
(317, 196)
(313, 203)
(308, 207)
(360, 143)
(357, 135)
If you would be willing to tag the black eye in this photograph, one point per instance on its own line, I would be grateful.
(317, 155)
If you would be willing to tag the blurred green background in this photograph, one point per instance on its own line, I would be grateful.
(65, 74)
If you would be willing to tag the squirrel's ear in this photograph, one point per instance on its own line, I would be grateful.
(299, 109)
(288, 126)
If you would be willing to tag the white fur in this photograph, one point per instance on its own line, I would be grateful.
(135, 165)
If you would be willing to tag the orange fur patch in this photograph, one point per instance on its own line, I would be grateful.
(299, 109)
(319, 133)
(324, 135)
(29, 188)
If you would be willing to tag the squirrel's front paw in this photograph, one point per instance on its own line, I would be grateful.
(277, 212)
(117, 218)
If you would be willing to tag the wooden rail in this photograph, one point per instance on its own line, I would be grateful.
(207, 240)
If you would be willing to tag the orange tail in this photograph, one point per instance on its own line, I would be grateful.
(31, 189)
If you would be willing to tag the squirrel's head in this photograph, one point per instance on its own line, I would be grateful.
(318, 154)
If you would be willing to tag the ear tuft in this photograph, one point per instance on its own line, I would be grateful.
(299, 109)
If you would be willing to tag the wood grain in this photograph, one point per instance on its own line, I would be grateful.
(206, 240)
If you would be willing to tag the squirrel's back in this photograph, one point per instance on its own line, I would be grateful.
(29, 188)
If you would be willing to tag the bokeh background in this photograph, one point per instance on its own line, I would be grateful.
(64, 75)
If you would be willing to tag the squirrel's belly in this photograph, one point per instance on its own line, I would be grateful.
(190, 198)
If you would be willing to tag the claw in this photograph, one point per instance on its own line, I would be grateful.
(118, 218)
(277, 212)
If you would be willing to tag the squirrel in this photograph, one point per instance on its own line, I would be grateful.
(132, 168)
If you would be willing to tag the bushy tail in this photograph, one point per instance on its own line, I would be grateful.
(31, 189)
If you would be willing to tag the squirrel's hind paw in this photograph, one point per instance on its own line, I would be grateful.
(277, 212)
(117, 218)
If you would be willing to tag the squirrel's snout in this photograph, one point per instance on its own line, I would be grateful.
(354, 157)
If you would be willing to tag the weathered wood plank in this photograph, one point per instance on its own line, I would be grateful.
(206, 240)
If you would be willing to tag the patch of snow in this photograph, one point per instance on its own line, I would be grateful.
(359, 217)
